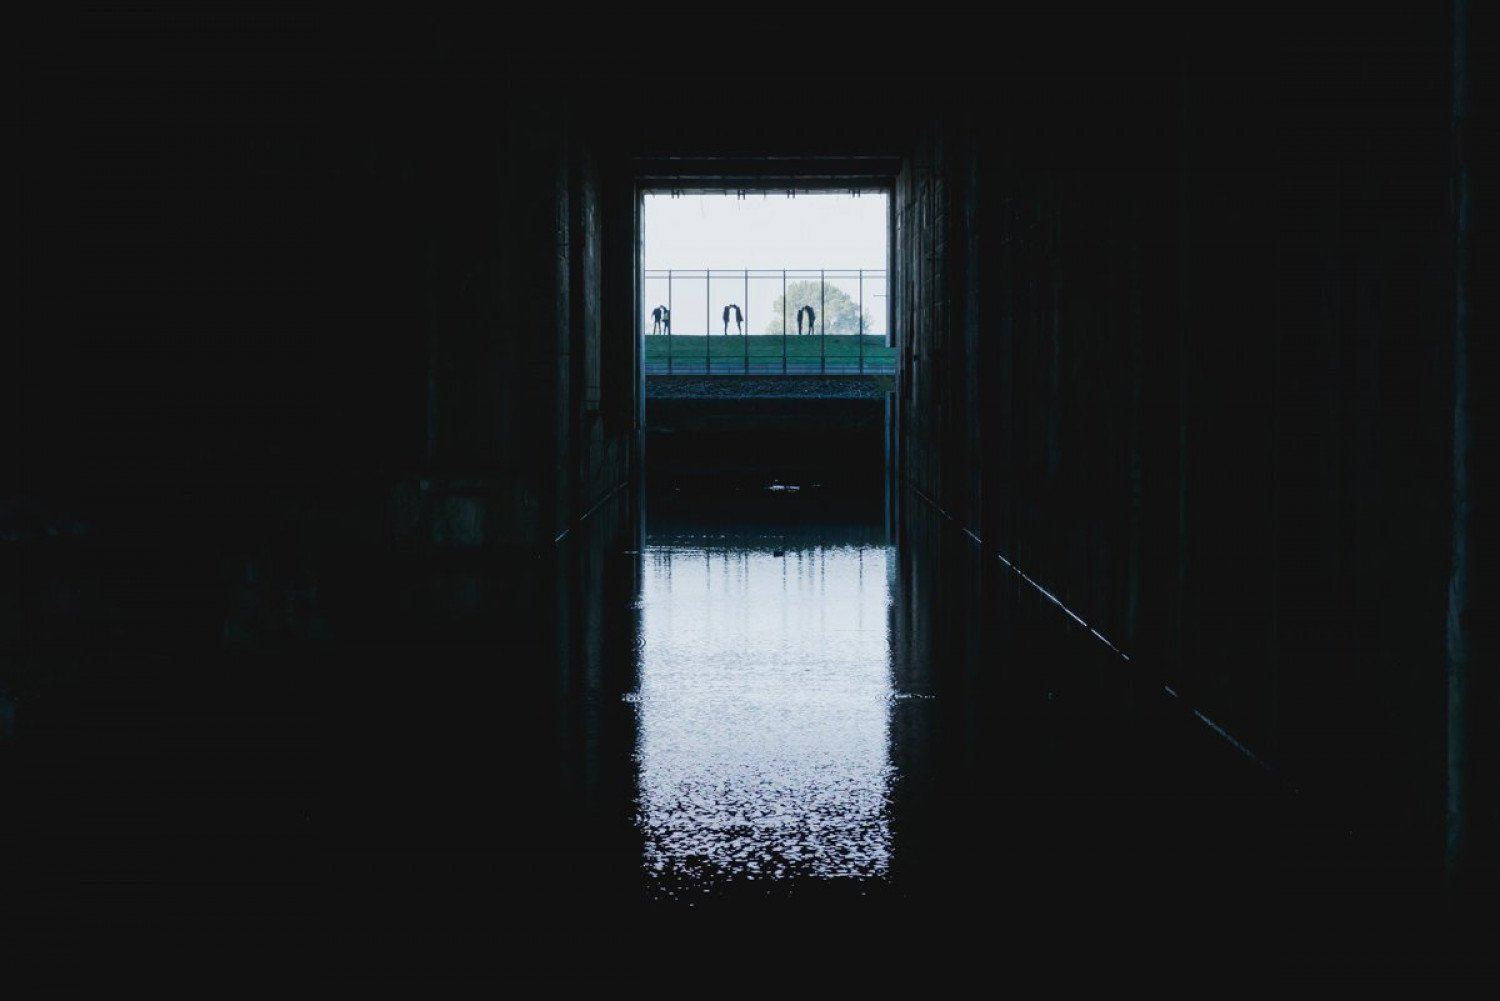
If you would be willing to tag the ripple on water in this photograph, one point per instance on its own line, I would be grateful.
(764, 708)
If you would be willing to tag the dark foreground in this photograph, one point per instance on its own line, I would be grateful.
(734, 737)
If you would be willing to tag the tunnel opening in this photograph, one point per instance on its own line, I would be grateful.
(766, 346)
(764, 687)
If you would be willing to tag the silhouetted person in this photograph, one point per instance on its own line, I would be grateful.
(656, 320)
(812, 320)
(739, 318)
(726, 321)
(666, 320)
(801, 312)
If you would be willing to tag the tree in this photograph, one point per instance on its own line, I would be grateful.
(837, 311)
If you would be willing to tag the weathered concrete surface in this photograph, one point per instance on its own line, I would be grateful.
(1199, 386)
(714, 444)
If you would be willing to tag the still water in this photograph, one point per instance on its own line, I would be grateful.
(764, 705)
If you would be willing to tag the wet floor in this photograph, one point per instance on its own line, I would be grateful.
(763, 709)
(861, 731)
(758, 727)
(822, 714)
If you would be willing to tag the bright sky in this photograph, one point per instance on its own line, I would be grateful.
(766, 230)
(836, 232)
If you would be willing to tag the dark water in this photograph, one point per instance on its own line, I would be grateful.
(736, 733)
(806, 715)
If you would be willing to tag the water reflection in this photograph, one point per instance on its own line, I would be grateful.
(764, 703)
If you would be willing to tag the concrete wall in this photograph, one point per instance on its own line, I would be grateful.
(319, 378)
(309, 312)
(829, 446)
(1178, 345)
(513, 315)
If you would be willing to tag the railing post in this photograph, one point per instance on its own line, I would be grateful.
(863, 364)
(822, 323)
(861, 321)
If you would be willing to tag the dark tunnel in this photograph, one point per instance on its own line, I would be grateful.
(365, 613)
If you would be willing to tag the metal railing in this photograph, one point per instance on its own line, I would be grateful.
(848, 333)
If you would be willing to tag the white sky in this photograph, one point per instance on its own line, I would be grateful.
(770, 230)
(761, 231)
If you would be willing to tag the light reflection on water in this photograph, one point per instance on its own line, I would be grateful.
(763, 711)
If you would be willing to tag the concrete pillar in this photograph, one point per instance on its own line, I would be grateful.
(1473, 799)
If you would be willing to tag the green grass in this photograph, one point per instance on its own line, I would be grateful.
(765, 349)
